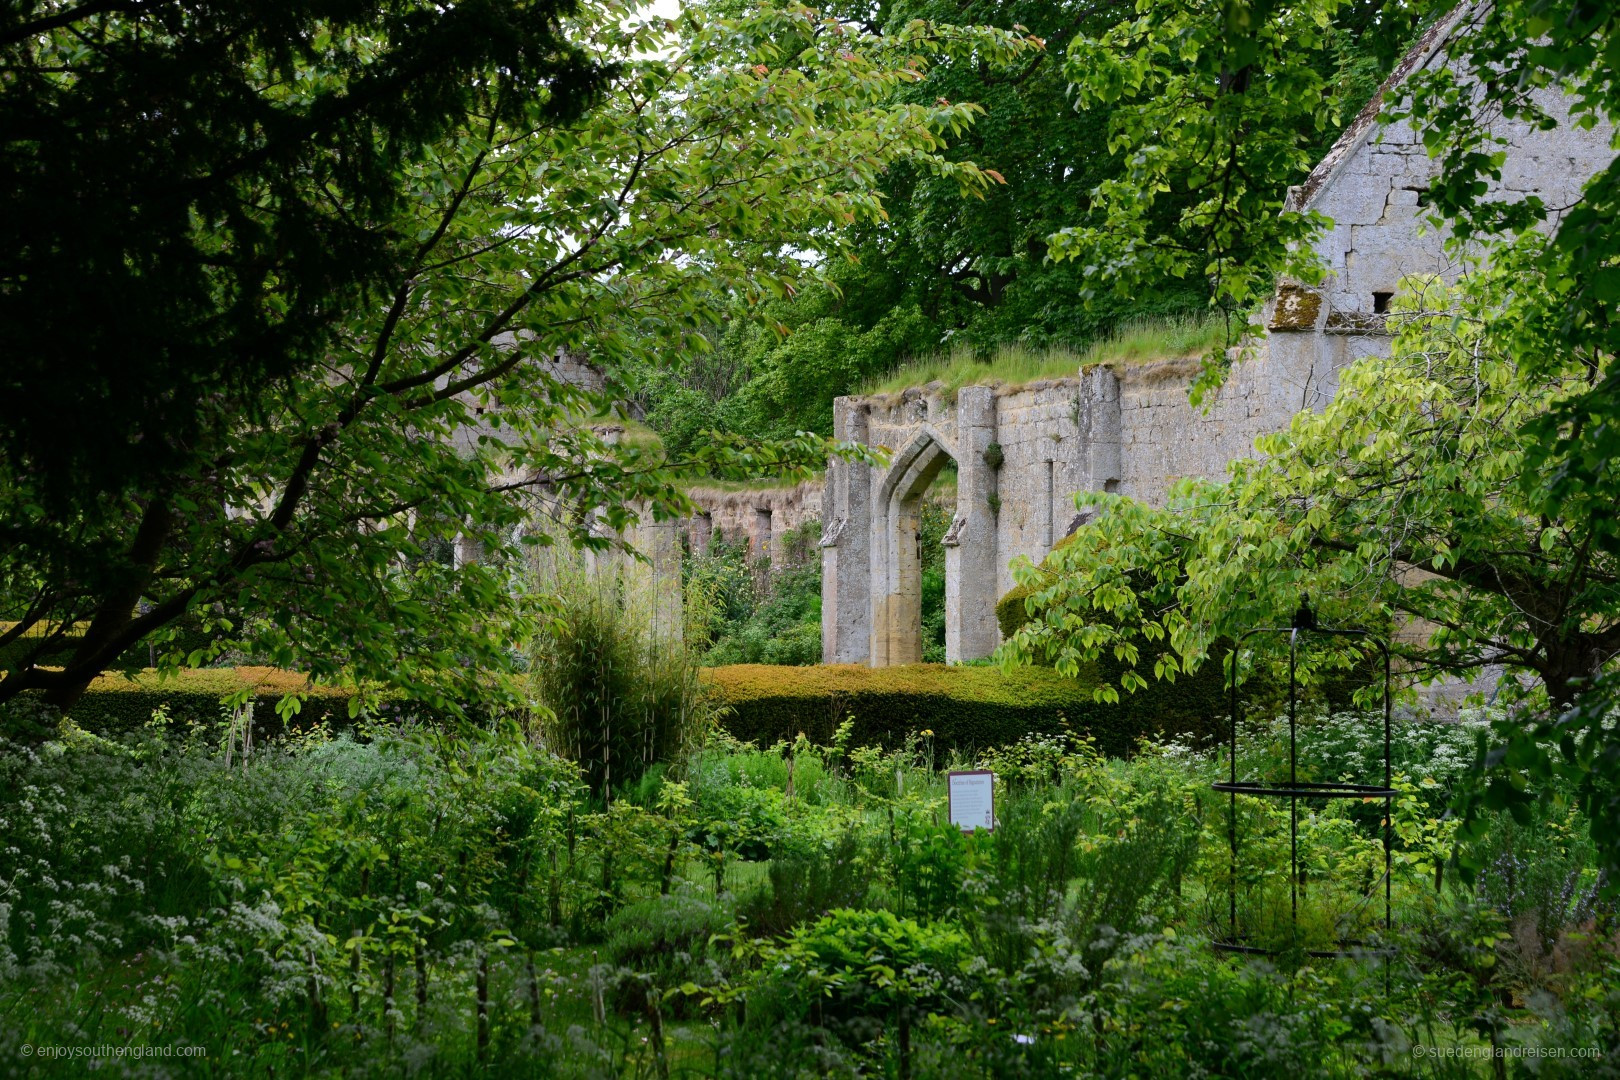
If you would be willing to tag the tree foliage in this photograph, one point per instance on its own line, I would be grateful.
(1401, 505)
(977, 270)
(1513, 561)
(719, 148)
(1561, 313)
(1571, 57)
(1413, 506)
(941, 271)
(1213, 109)
(944, 273)
(195, 195)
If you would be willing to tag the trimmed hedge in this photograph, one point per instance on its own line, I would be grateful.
(117, 703)
(967, 708)
(14, 651)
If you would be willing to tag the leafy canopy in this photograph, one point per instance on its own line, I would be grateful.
(1495, 540)
(303, 528)
(1572, 57)
(1213, 109)
(196, 194)
(1415, 505)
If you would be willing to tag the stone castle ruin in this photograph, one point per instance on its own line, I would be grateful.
(1022, 452)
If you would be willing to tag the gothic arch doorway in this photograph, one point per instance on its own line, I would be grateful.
(898, 602)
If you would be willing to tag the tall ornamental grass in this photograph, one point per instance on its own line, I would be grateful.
(618, 684)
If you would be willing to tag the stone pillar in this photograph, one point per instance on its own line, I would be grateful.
(846, 568)
(1044, 510)
(468, 551)
(1100, 427)
(971, 558)
(762, 537)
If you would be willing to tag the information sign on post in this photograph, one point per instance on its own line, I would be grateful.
(971, 799)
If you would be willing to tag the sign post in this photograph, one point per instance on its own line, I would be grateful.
(971, 799)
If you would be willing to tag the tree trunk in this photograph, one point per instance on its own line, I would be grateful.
(1572, 664)
(100, 644)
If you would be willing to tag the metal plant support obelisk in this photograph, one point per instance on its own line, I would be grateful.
(1294, 789)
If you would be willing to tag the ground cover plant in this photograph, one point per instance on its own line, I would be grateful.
(402, 901)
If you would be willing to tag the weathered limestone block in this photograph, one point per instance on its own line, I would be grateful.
(736, 515)
(1100, 427)
(1296, 308)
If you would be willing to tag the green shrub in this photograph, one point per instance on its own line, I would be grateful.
(15, 651)
(665, 940)
(966, 708)
(651, 935)
(806, 884)
(1011, 614)
(741, 820)
(718, 766)
(852, 963)
(118, 703)
(755, 613)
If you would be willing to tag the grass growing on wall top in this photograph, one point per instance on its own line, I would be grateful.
(784, 483)
(1013, 365)
(635, 432)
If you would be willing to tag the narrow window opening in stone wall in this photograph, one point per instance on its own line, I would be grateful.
(761, 539)
(1381, 302)
(1111, 486)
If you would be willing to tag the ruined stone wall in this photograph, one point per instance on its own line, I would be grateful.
(1125, 429)
(573, 369)
(760, 516)
(1132, 428)
(1373, 185)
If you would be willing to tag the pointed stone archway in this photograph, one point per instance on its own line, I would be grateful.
(897, 549)
(871, 561)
